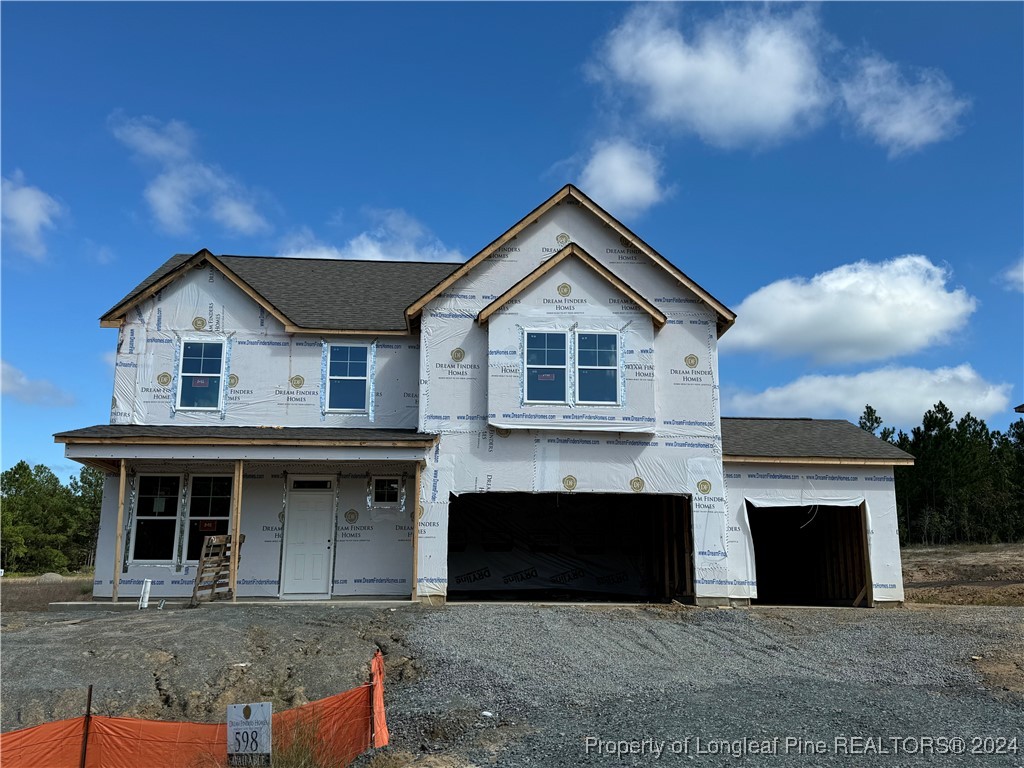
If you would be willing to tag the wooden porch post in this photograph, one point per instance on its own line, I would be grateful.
(416, 534)
(119, 532)
(236, 529)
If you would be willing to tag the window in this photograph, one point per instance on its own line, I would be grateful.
(209, 509)
(347, 382)
(156, 517)
(199, 387)
(597, 368)
(385, 491)
(545, 367)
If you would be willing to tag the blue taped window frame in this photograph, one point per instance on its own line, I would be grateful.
(182, 374)
(331, 346)
(617, 368)
(527, 367)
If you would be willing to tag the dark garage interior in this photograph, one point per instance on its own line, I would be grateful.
(809, 555)
(568, 546)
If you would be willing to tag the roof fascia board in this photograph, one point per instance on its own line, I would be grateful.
(290, 328)
(243, 441)
(573, 250)
(731, 459)
(218, 453)
(531, 218)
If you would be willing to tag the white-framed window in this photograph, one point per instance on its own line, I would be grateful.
(348, 381)
(597, 368)
(385, 491)
(546, 368)
(199, 380)
(156, 533)
(209, 511)
(156, 518)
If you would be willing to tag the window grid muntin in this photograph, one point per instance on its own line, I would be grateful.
(386, 490)
(204, 493)
(547, 352)
(200, 361)
(343, 366)
(600, 352)
(151, 488)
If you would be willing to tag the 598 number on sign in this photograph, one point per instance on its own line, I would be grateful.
(249, 734)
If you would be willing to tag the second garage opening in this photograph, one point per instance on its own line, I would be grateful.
(810, 555)
(556, 546)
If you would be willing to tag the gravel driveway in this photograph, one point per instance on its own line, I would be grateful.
(557, 678)
(554, 679)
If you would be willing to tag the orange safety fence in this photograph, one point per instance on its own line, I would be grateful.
(335, 730)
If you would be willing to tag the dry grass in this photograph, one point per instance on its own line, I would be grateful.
(27, 593)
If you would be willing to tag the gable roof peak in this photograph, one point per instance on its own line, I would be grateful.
(726, 317)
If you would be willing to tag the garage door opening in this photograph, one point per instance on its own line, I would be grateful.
(810, 555)
(571, 547)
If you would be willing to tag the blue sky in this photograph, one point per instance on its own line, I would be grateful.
(847, 177)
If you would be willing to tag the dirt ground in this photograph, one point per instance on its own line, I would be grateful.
(607, 670)
(982, 574)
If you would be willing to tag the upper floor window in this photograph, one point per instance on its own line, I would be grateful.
(597, 368)
(201, 369)
(590, 374)
(545, 367)
(347, 380)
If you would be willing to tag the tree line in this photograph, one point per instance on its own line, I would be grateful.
(967, 482)
(46, 525)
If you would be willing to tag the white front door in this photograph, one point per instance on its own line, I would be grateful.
(307, 545)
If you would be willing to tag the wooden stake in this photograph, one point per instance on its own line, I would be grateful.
(236, 528)
(85, 727)
(416, 535)
(119, 531)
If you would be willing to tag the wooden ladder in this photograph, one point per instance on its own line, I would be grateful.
(213, 578)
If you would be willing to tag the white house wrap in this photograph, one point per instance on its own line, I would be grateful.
(544, 418)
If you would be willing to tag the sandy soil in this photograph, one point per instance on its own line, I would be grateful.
(980, 574)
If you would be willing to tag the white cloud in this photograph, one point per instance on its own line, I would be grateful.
(1012, 277)
(902, 113)
(853, 313)
(900, 395)
(14, 383)
(395, 236)
(27, 212)
(186, 188)
(110, 358)
(622, 177)
(745, 77)
(169, 142)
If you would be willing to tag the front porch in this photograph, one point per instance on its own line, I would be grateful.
(325, 513)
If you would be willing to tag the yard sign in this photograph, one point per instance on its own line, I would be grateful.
(249, 741)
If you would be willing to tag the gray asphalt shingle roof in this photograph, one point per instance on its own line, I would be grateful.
(334, 294)
(796, 438)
